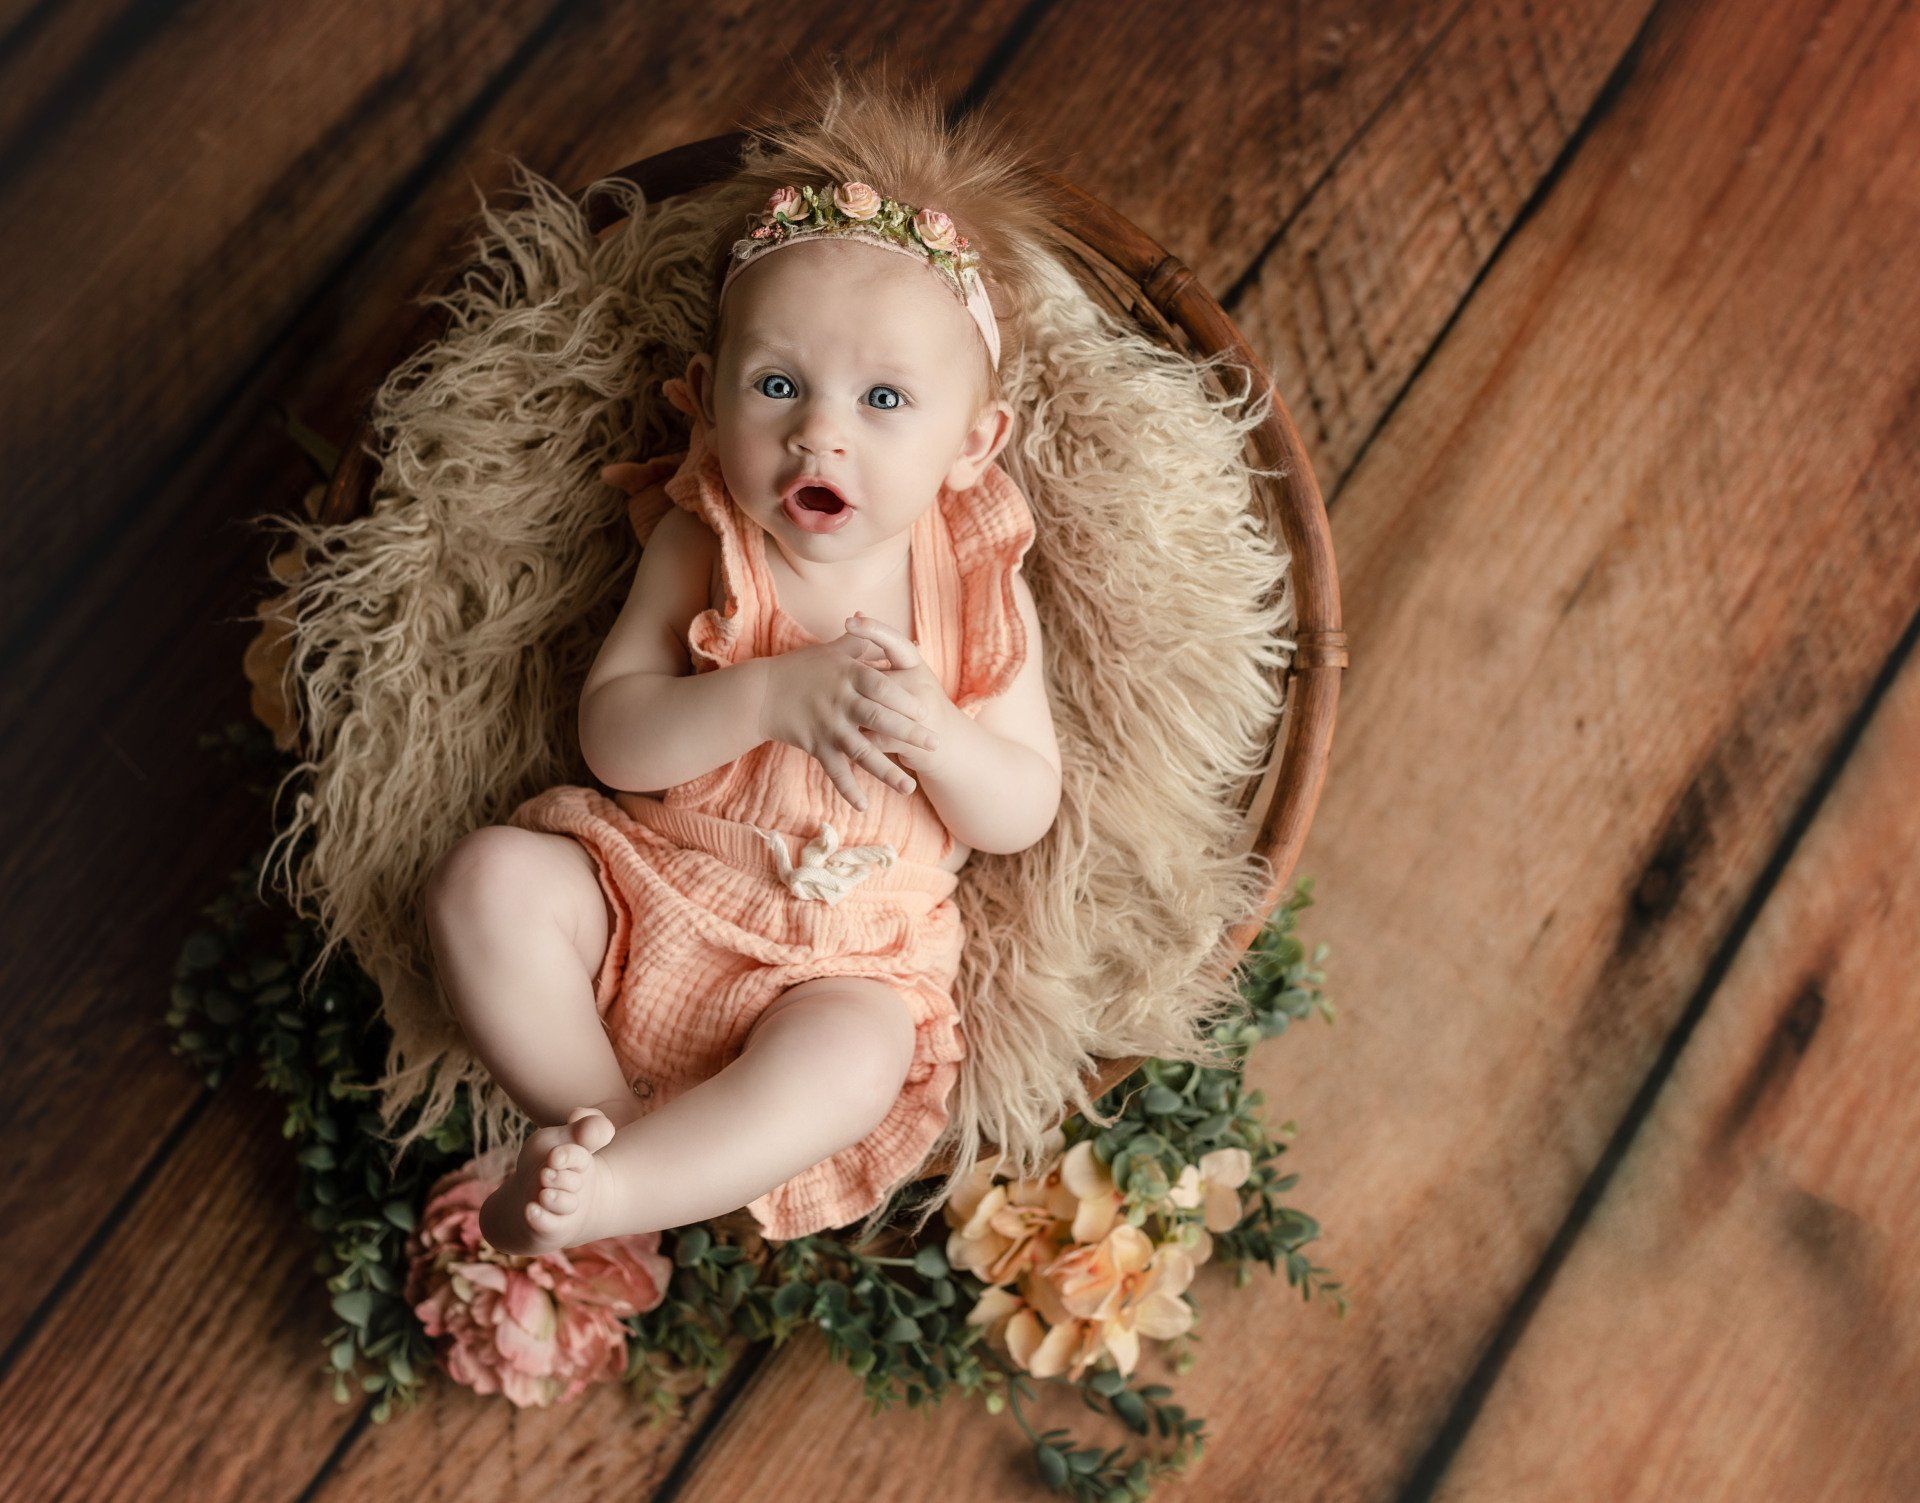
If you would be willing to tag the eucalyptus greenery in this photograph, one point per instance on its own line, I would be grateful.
(899, 1322)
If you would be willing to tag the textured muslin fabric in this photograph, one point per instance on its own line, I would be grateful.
(711, 925)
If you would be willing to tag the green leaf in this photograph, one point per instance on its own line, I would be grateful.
(791, 1299)
(200, 951)
(355, 1307)
(691, 1245)
(1053, 1466)
(931, 1262)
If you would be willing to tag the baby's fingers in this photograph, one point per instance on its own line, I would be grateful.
(879, 764)
(900, 727)
(890, 694)
(841, 772)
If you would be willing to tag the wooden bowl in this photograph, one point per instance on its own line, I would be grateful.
(1133, 275)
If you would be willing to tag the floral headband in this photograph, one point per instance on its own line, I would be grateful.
(806, 213)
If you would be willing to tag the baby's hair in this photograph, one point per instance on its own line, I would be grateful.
(898, 140)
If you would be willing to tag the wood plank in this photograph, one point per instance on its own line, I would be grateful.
(1605, 640)
(167, 1370)
(1366, 276)
(177, 213)
(1738, 1315)
(1211, 134)
(1572, 736)
(45, 50)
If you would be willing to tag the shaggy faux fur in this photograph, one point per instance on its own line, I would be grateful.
(440, 642)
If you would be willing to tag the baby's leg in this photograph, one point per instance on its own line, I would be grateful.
(820, 1069)
(519, 927)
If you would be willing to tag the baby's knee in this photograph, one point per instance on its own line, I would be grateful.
(490, 876)
(863, 1044)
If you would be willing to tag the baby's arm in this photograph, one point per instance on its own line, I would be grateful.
(995, 778)
(646, 721)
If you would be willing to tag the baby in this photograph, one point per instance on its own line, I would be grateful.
(828, 648)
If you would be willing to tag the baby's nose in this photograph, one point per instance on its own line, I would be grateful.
(817, 434)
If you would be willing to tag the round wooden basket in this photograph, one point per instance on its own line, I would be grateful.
(1131, 274)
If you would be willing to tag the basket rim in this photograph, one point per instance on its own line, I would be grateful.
(1283, 804)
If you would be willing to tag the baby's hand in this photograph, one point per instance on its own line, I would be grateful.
(819, 698)
(908, 669)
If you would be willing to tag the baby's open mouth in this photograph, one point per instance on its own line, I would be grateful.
(818, 498)
(816, 508)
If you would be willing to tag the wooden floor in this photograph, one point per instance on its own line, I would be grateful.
(1601, 321)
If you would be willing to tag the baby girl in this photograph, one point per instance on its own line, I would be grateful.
(823, 693)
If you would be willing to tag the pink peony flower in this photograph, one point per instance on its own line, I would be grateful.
(534, 1328)
(934, 229)
(856, 200)
(787, 203)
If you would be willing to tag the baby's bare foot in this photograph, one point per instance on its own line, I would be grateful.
(548, 1201)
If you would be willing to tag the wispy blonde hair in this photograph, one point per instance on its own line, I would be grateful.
(898, 139)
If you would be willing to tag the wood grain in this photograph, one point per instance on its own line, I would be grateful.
(1738, 1315)
(160, 235)
(169, 1367)
(1612, 639)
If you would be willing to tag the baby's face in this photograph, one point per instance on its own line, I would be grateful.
(849, 364)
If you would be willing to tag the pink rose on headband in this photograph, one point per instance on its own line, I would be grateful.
(534, 1328)
(934, 229)
(787, 204)
(857, 200)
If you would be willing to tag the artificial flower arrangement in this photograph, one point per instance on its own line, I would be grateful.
(1050, 1279)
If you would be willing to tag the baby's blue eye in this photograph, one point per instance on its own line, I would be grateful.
(760, 387)
(889, 406)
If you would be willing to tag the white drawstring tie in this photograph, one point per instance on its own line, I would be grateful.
(826, 872)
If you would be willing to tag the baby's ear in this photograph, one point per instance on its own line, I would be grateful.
(983, 443)
(699, 379)
(628, 477)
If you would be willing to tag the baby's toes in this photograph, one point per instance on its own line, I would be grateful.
(565, 1178)
(558, 1201)
(564, 1157)
(590, 1128)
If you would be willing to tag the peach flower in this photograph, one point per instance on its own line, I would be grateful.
(787, 203)
(1093, 1188)
(1068, 1279)
(856, 200)
(534, 1328)
(935, 230)
(1127, 1288)
(1214, 1181)
(999, 1230)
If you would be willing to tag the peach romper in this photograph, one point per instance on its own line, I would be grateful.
(730, 888)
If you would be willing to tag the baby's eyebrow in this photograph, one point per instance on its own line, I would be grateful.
(886, 365)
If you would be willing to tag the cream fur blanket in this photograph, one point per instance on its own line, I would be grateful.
(440, 641)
